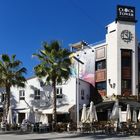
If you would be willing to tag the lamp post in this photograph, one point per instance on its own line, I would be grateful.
(77, 91)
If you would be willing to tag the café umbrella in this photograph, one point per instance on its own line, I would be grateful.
(92, 114)
(115, 111)
(84, 114)
(128, 113)
(134, 119)
(120, 115)
(31, 115)
(37, 116)
(139, 116)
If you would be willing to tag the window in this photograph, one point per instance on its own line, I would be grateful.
(126, 62)
(59, 92)
(100, 65)
(82, 94)
(37, 94)
(126, 84)
(101, 86)
(100, 53)
(2, 97)
(126, 58)
(126, 71)
(22, 95)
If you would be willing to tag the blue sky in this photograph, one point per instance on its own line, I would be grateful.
(25, 24)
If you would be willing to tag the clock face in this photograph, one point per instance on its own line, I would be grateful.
(126, 36)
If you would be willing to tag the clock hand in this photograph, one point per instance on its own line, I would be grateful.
(126, 34)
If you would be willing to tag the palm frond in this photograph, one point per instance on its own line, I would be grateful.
(5, 58)
(55, 62)
(21, 71)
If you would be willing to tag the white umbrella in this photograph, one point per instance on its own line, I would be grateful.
(37, 116)
(128, 113)
(9, 116)
(92, 114)
(134, 116)
(31, 115)
(120, 118)
(139, 116)
(120, 115)
(84, 114)
(115, 111)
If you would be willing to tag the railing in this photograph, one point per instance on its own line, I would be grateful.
(97, 43)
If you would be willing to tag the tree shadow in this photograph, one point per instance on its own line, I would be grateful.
(46, 96)
(81, 135)
(13, 105)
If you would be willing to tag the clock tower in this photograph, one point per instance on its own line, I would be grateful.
(122, 56)
(126, 36)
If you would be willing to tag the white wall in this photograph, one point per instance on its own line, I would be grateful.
(31, 85)
(112, 59)
(115, 44)
(68, 89)
(86, 87)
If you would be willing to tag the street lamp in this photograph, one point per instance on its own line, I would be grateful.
(77, 92)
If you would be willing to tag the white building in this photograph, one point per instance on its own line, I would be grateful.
(38, 97)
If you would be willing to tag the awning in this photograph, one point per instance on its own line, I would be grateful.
(61, 109)
(21, 110)
(105, 105)
(123, 103)
(133, 104)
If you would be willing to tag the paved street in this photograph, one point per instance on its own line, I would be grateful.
(63, 136)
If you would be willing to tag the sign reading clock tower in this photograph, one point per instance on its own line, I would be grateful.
(126, 13)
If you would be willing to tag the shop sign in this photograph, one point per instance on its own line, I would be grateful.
(126, 13)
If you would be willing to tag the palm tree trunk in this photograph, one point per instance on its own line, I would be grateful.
(7, 102)
(54, 119)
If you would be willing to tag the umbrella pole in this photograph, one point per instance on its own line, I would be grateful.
(91, 127)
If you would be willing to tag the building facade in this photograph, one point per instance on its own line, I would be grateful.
(114, 64)
(111, 66)
(38, 97)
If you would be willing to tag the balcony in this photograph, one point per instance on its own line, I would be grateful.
(100, 75)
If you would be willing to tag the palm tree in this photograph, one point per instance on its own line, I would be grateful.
(55, 66)
(11, 74)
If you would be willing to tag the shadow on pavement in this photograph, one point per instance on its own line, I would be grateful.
(14, 133)
(87, 135)
(65, 135)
